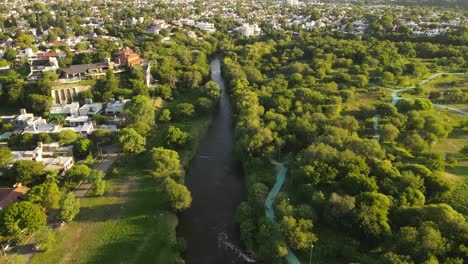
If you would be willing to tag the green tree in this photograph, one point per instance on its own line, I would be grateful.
(99, 184)
(102, 136)
(70, 207)
(165, 163)
(28, 172)
(13, 85)
(258, 193)
(361, 81)
(184, 111)
(20, 216)
(67, 137)
(165, 115)
(45, 238)
(40, 103)
(415, 143)
(389, 132)
(131, 141)
(179, 196)
(372, 215)
(140, 109)
(141, 128)
(10, 54)
(46, 82)
(6, 156)
(422, 242)
(192, 79)
(83, 147)
(298, 232)
(204, 105)
(355, 183)
(164, 91)
(110, 87)
(48, 195)
(79, 172)
(212, 90)
(175, 137)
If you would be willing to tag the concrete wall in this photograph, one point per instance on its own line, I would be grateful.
(67, 93)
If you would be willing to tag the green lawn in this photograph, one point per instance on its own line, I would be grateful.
(132, 222)
(117, 228)
(444, 81)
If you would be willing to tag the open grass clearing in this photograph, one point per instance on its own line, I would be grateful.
(130, 224)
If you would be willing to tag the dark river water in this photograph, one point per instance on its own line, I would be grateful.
(215, 181)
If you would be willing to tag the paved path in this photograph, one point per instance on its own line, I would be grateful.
(396, 97)
(281, 171)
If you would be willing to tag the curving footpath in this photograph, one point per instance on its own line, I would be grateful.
(269, 212)
(396, 98)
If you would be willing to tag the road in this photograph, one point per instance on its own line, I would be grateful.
(104, 165)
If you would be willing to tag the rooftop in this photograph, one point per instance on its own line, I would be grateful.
(9, 196)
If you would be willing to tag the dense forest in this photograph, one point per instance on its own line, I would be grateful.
(309, 100)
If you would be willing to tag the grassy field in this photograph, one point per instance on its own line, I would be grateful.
(130, 224)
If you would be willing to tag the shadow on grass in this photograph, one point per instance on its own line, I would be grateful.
(143, 233)
(99, 213)
(25, 249)
(459, 169)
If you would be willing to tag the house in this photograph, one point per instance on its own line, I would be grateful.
(26, 119)
(127, 57)
(75, 121)
(65, 109)
(187, 22)
(90, 71)
(90, 108)
(47, 154)
(9, 196)
(248, 30)
(116, 106)
(43, 64)
(205, 26)
(291, 2)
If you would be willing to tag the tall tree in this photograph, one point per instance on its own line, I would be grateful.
(70, 207)
(131, 141)
(179, 196)
(140, 109)
(20, 216)
(165, 163)
(6, 156)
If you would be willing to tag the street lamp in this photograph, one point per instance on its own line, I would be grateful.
(311, 247)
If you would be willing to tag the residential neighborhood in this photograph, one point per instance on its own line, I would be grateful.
(207, 132)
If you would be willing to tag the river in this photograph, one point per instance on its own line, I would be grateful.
(215, 180)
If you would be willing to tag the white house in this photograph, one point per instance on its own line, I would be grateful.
(65, 109)
(116, 106)
(90, 108)
(248, 30)
(205, 26)
(291, 2)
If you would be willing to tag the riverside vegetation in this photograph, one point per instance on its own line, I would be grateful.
(309, 99)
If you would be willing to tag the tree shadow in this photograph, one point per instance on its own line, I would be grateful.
(100, 212)
(143, 233)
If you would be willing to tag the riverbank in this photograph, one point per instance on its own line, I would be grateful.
(132, 223)
(214, 178)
